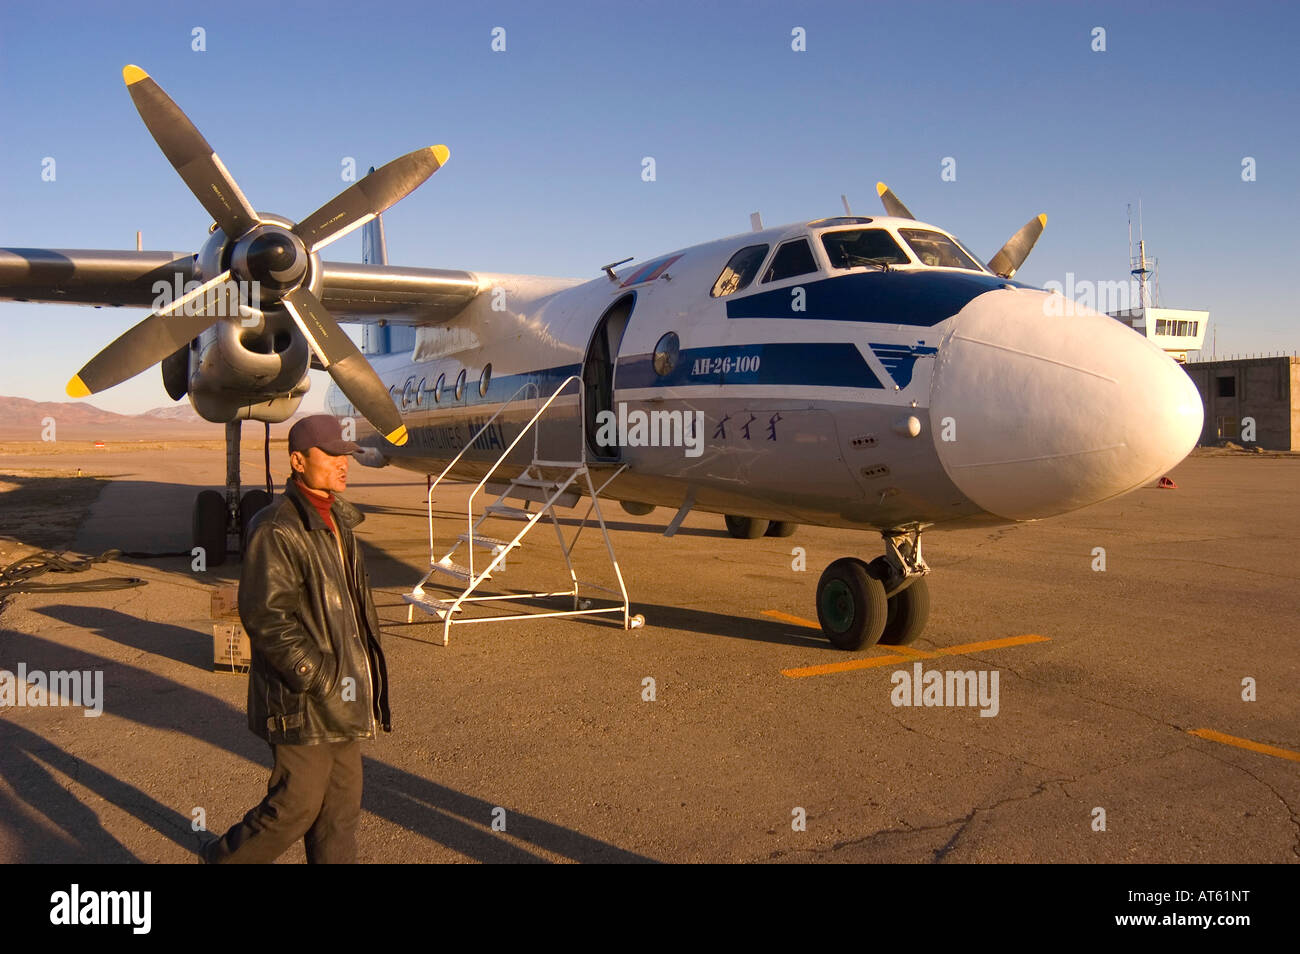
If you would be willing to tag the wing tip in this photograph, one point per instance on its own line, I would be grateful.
(133, 74)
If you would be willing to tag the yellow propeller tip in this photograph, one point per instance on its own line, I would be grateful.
(440, 153)
(397, 437)
(133, 74)
(1042, 219)
(77, 388)
(881, 188)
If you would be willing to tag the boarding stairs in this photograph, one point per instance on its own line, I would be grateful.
(548, 484)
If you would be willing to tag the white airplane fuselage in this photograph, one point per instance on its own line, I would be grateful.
(867, 398)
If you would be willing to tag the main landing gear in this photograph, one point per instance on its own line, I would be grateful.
(885, 601)
(751, 528)
(219, 518)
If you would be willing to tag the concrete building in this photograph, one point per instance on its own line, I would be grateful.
(1237, 391)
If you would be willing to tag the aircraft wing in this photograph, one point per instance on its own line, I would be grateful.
(356, 293)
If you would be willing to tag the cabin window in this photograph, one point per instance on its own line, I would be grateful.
(437, 388)
(739, 271)
(484, 380)
(460, 385)
(791, 259)
(935, 248)
(420, 392)
(666, 353)
(855, 247)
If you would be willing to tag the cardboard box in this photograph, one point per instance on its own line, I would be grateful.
(225, 601)
(231, 651)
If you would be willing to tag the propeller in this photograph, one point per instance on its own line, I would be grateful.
(891, 202)
(1012, 255)
(278, 258)
(1009, 257)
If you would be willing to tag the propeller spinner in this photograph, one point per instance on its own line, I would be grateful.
(280, 259)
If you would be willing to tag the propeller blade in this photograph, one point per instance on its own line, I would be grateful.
(891, 202)
(190, 154)
(157, 337)
(359, 203)
(1012, 255)
(345, 364)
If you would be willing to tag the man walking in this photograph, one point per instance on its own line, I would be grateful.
(317, 683)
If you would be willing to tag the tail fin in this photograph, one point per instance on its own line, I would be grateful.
(374, 250)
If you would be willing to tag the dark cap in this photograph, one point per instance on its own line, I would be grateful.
(323, 431)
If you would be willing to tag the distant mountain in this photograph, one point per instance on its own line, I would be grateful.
(181, 411)
(25, 420)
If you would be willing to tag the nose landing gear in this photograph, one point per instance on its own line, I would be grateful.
(885, 601)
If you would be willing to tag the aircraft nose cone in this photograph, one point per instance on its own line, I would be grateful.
(1039, 406)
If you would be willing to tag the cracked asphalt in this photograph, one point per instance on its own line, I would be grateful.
(545, 727)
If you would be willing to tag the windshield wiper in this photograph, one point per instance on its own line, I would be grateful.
(852, 260)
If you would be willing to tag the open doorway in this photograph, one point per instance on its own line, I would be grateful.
(598, 372)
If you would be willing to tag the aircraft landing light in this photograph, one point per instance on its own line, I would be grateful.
(876, 661)
(1260, 747)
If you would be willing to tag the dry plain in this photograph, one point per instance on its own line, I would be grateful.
(545, 726)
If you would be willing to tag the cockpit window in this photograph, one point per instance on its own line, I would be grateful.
(740, 271)
(855, 247)
(935, 248)
(791, 259)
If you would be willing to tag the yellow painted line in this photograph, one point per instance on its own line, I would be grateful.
(846, 666)
(1003, 643)
(914, 653)
(872, 662)
(787, 618)
(1259, 747)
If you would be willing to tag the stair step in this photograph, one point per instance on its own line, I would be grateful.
(431, 605)
(541, 494)
(487, 543)
(454, 570)
(505, 510)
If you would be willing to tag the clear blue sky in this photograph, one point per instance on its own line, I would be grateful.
(547, 138)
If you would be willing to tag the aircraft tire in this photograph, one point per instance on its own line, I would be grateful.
(249, 505)
(746, 528)
(851, 605)
(782, 528)
(209, 526)
(908, 610)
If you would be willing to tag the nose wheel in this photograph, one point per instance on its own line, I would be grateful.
(885, 601)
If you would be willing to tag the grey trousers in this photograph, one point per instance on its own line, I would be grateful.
(314, 794)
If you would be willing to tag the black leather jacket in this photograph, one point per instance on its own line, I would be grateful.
(317, 672)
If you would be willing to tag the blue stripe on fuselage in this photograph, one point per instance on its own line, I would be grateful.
(829, 364)
(895, 297)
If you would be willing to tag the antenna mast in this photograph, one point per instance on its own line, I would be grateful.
(1139, 265)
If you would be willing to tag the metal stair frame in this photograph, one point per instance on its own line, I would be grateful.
(532, 476)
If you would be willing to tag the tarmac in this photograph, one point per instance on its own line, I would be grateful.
(1145, 712)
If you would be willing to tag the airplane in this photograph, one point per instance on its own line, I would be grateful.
(858, 372)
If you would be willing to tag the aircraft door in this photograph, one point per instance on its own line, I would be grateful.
(598, 372)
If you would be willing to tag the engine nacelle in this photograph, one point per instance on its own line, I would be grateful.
(253, 366)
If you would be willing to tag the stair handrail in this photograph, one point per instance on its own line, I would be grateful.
(470, 443)
(582, 445)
